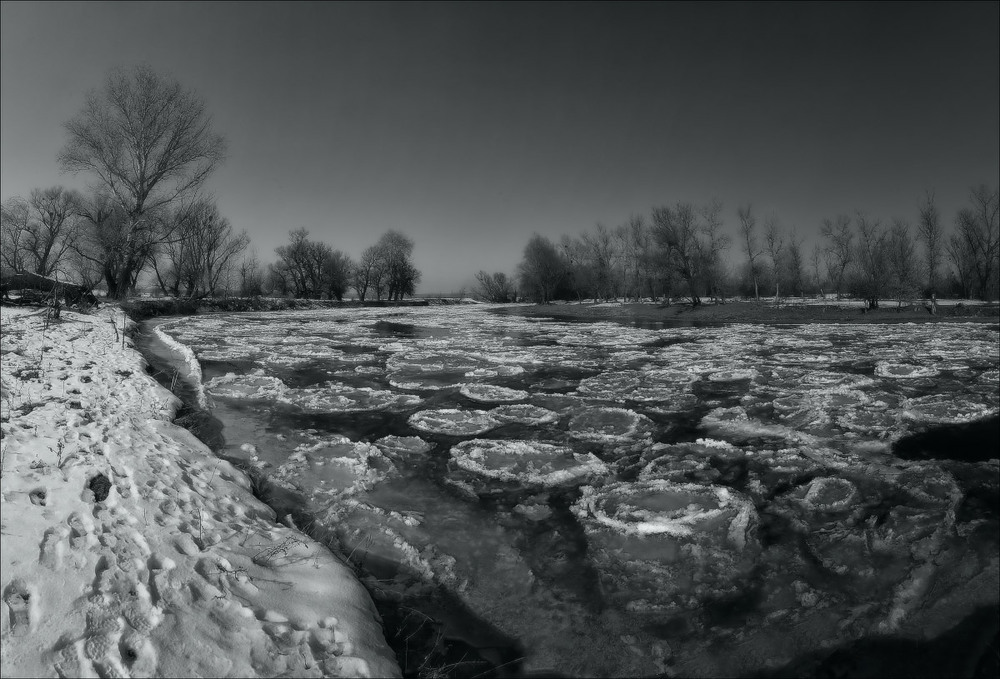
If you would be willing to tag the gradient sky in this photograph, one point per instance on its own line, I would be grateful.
(471, 126)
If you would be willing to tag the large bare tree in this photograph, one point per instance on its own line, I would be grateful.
(839, 248)
(902, 261)
(872, 259)
(977, 240)
(15, 225)
(748, 222)
(495, 287)
(931, 234)
(775, 242)
(202, 251)
(711, 245)
(39, 232)
(148, 144)
(541, 269)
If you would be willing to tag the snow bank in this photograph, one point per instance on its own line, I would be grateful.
(129, 549)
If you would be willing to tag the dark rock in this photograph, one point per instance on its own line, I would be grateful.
(101, 486)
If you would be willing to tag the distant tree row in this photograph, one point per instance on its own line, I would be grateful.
(307, 268)
(147, 144)
(680, 251)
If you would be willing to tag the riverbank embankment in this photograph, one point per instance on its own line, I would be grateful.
(129, 549)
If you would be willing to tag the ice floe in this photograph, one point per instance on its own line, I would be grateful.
(662, 546)
(524, 413)
(608, 424)
(526, 462)
(489, 393)
(403, 446)
(903, 370)
(453, 422)
(946, 409)
(343, 398)
(251, 386)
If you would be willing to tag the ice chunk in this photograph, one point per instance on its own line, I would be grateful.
(403, 446)
(528, 462)
(903, 370)
(333, 397)
(453, 422)
(732, 375)
(831, 494)
(490, 393)
(524, 414)
(667, 544)
(946, 409)
(335, 466)
(608, 424)
(253, 386)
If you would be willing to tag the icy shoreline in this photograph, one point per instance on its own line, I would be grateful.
(129, 549)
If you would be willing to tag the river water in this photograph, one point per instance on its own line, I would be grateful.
(599, 499)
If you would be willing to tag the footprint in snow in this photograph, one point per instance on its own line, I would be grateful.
(52, 548)
(22, 600)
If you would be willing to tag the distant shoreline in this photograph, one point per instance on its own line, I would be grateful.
(144, 309)
(759, 312)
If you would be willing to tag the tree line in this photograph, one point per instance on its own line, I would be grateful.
(147, 144)
(679, 251)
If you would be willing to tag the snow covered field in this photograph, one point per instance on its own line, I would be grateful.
(604, 499)
(129, 549)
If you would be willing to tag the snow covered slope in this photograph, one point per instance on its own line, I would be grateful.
(129, 549)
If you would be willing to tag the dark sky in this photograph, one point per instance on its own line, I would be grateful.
(470, 126)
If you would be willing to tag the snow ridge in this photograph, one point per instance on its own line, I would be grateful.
(194, 367)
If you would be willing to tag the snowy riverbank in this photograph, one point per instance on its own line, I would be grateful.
(129, 549)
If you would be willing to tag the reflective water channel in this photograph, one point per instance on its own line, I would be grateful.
(599, 499)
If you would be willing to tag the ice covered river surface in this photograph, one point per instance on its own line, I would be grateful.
(600, 499)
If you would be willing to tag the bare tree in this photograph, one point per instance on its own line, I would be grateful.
(541, 269)
(578, 272)
(174, 264)
(641, 244)
(57, 221)
(311, 269)
(963, 262)
(624, 257)
(15, 222)
(902, 260)
(38, 233)
(401, 276)
(108, 242)
(148, 144)
(748, 223)
(931, 234)
(839, 248)
(712, 243)
(251, 276)
(815, 262)
(794, 264)
(872, 259)
(366, 273)
(978, 236)
(601, 254)
(336, 268)
(676, 229)
(775, 244)
(495, 287)
(215, 248)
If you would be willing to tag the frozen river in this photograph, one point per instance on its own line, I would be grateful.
(606, 499)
